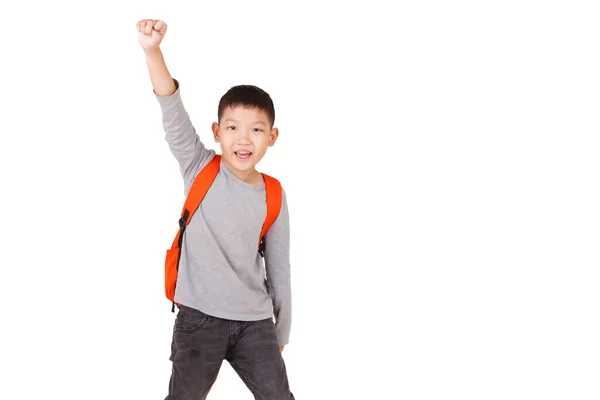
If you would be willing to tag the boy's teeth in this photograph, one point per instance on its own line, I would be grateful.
(244, 155)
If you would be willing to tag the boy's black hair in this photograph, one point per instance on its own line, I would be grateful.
(248, 96)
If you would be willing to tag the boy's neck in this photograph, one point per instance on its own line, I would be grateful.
(253, 177)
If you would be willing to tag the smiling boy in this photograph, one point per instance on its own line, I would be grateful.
(226, 293)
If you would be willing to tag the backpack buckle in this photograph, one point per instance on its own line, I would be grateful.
(261, 248)
(183, 220)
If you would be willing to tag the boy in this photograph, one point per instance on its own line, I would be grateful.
(226, 296)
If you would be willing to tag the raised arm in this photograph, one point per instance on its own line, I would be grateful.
(151, 34)
(184, 142)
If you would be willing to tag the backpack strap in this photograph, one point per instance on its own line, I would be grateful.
(200, 186)
(274, 199)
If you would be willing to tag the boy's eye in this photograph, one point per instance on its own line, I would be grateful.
(231, 127)
(257, 130)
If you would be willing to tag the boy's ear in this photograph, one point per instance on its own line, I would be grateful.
(273, 136)
(215, 129)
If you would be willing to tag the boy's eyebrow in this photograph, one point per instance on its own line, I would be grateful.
(255, 122)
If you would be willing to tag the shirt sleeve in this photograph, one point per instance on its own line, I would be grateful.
(277, 265)
(180, 134)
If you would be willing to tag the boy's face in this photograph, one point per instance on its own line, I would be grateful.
(244, 135)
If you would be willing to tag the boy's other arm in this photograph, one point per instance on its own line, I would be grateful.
(181, 136)
(277, 265)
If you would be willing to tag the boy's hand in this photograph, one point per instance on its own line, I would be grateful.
(281, 348)
(151, 33)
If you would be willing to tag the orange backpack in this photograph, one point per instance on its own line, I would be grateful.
(199, 188)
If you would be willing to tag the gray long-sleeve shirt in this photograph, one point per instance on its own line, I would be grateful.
(221, 272)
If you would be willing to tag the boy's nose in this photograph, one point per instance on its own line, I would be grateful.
(242, 137)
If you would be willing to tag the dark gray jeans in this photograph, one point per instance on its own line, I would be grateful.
(200, 344)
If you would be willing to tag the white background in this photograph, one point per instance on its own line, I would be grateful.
(441, 165)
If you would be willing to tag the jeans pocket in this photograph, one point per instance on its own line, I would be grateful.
(187, 322)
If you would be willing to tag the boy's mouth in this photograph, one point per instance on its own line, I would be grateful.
(243, 155)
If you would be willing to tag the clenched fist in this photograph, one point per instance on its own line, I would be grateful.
(151, 33)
